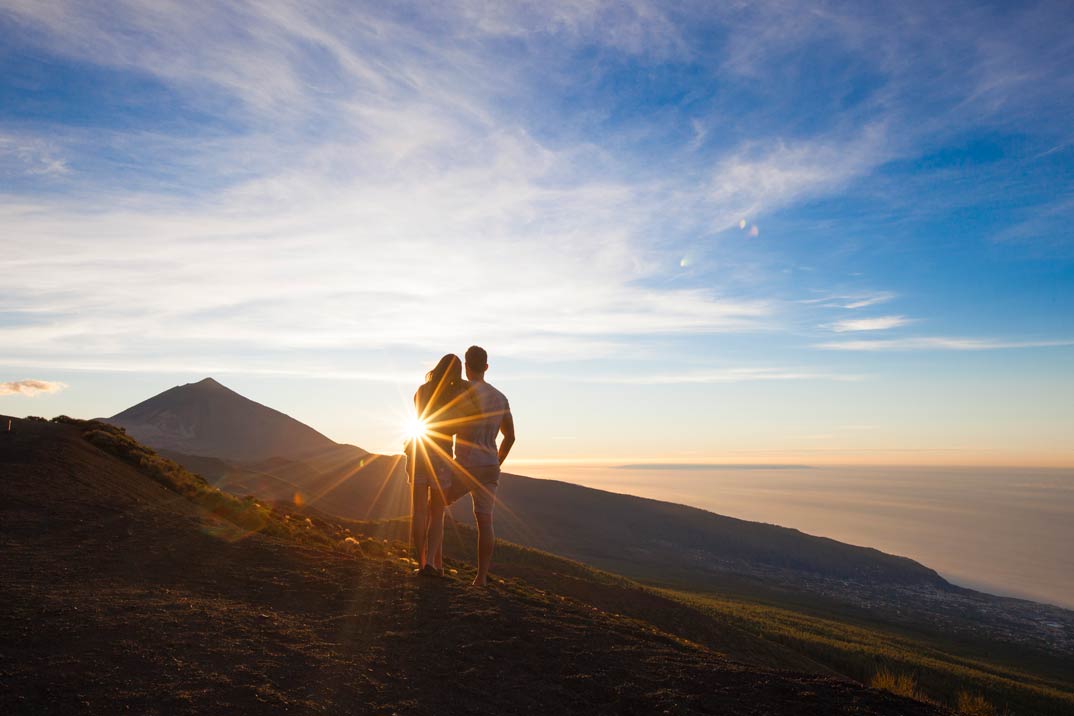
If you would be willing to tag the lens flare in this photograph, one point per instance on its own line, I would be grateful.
(415, 429)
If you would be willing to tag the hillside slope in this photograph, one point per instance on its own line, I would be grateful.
(124, 595)
(620, 532)
(759, 626)
(623, 533)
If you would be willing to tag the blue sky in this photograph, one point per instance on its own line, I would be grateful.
(769, 231)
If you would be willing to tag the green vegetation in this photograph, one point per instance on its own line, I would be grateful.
(898, 659)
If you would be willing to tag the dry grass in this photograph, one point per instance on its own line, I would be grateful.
(974, 705)
(901, 684)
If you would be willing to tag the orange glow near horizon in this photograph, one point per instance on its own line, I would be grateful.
(873, 448)
(871, 458)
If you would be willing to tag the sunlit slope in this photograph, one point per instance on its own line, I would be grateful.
(630, 535)
(343, 480)
(131, 585)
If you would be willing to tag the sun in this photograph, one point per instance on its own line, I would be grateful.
(415, 429)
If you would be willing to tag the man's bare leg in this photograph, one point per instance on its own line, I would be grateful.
(486, 540)
(419, 517)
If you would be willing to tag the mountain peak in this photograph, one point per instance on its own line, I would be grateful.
(207, 418)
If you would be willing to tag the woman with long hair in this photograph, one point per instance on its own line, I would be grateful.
(441, 403)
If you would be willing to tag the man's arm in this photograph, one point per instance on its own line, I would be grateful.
(507, 427)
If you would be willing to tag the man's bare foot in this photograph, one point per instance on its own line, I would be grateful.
(479, 582)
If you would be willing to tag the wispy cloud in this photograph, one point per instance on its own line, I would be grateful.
(1047, 226)
(30, 155)
(851, 301)
(877, 323)
(725, 375)
(328, 371)
(866, 301)
(939, 343)
(31, 387)
(762, 177)
(239, 366)
(633, 26)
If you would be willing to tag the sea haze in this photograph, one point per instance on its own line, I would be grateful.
(1002, 530)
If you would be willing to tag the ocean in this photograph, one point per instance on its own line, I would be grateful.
(1006, 531)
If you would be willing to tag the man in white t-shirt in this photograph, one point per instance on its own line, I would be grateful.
(478, 456)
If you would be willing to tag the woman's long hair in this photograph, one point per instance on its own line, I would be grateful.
(445, 381)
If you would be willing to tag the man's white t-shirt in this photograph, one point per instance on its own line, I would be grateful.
(476, 443)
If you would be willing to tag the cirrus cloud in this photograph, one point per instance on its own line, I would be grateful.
(877, 323)
(939, 343)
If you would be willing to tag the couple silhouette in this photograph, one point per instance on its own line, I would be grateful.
(455, 453)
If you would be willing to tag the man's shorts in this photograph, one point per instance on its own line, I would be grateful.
(479, 482)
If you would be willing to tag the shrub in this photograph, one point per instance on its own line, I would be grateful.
(900, 684)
